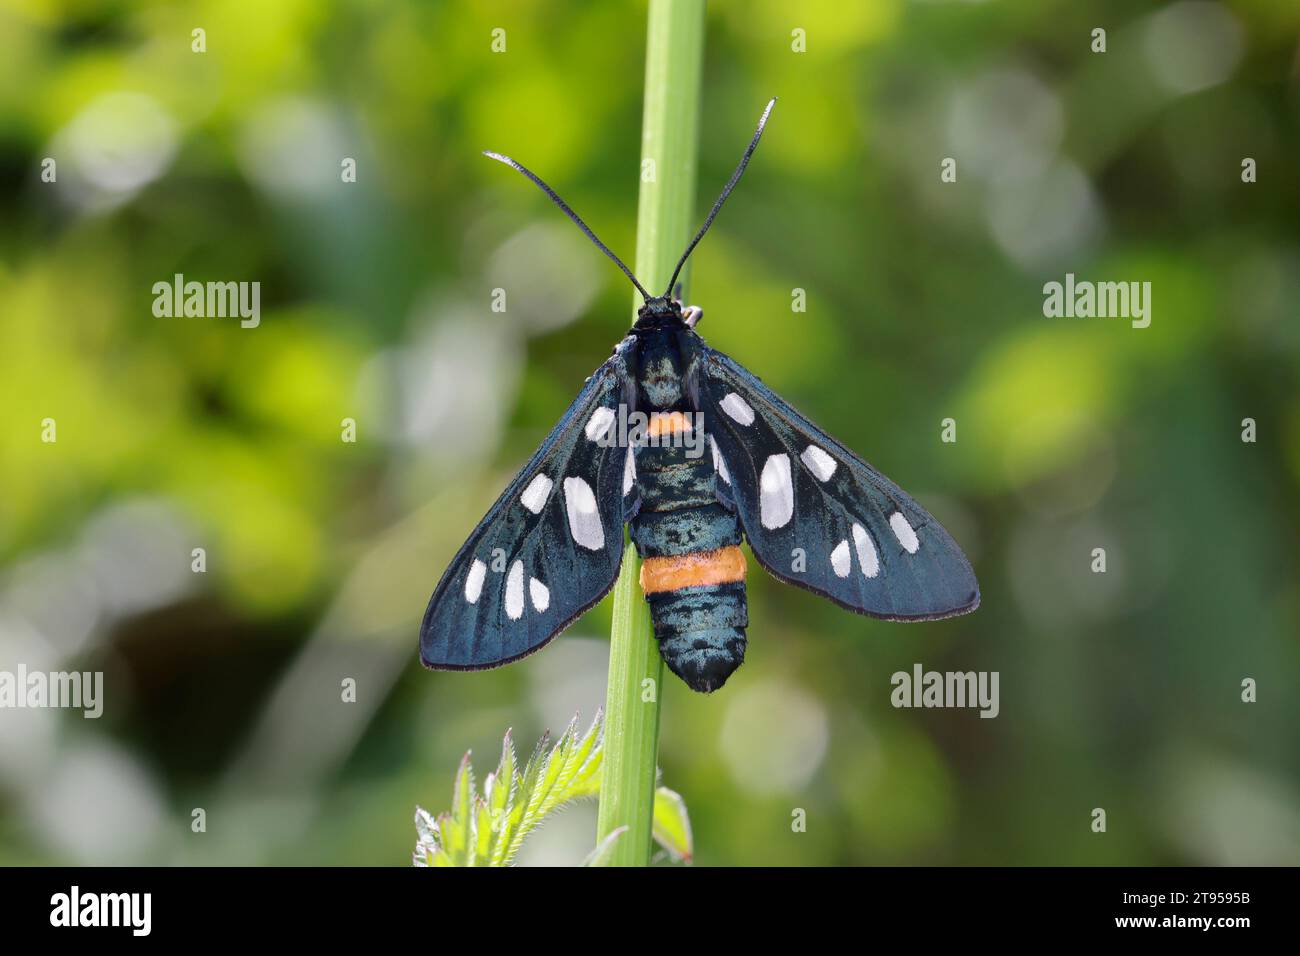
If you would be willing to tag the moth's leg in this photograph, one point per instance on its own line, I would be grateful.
(692, 314)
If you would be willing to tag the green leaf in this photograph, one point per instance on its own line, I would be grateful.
(457, 826)
(587, 755)
(426, 827)
(500, 786)
(464, 788)
(426, 844)
(454, 838)
(604, 851)
(481, 834)
(672, 825)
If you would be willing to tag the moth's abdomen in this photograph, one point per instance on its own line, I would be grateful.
(700, 627)
(693, 572)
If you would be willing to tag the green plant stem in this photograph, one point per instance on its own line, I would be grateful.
(669, 138)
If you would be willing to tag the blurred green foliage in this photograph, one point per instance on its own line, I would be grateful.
(224, 689)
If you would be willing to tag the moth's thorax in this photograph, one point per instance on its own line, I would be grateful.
(664, 363)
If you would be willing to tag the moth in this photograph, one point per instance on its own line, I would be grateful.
(714, 458)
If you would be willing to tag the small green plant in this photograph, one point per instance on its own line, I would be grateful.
(487, 828)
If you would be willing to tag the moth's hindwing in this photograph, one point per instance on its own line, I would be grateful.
(865, 544)
(547, 550)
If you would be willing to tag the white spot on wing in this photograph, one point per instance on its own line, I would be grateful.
(840, 559)
(540, 594)
(599, 422)
(819, 463)
(534, 495)
(866, 549)
(719, 465)
(776, 492)
(515, 591)
(738, 408)
(584, 521)
(474, 581)
(903, 532)
(629, 471)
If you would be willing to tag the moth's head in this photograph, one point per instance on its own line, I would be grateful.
(660, 305)
(659, 311)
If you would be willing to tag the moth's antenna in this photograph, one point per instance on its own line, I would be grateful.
(571, 214)
(726, 191)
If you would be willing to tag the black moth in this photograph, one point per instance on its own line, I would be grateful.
(712, 455)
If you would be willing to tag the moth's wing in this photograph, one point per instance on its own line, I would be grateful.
(548, 549)
(866, 544)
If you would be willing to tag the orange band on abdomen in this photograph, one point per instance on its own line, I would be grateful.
(667, 423)
(692, 570)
